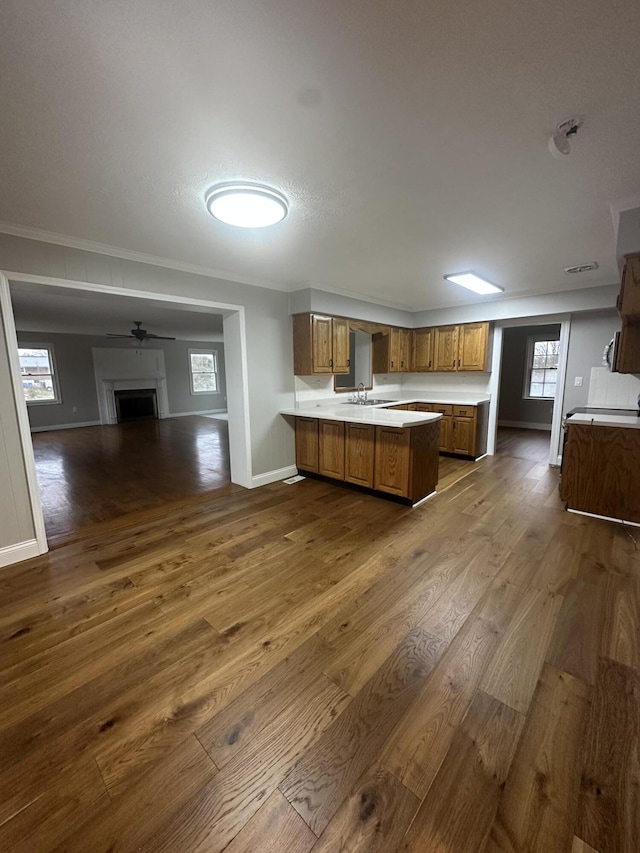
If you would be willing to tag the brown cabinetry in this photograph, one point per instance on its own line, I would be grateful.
(331, 449)
(320, 344)
(463, 347)
(422, 350)
(392, 351)
(628, 358)
(463, 429)
(307, 444)
(400, 461)
(359, 454)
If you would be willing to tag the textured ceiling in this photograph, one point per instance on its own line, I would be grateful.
(410, 137)
(36, 309)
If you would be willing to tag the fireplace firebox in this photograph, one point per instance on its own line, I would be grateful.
(140, 404)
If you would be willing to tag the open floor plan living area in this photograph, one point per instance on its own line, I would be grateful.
(319, 427)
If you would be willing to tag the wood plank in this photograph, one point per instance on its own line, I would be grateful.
(215, 815)
(621, 630)
(513, 673)
(538, 804)
(372, 818)
(458, 811)
(575, 644)
(419, 743)
(580, 846)
(609, 812)
(327, 772)
(274, 828)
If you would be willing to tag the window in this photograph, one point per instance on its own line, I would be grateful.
(38, 372)
(541, 369)
(203, 369)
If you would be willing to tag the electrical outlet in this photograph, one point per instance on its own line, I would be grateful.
(578, 382)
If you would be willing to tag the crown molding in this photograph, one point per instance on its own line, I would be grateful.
(43, 236)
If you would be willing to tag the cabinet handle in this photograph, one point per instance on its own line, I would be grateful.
(429, 363)
(330, 362)
(348, 362)
(454, 363)
(402, 364)
(391, 364)
(458, 362)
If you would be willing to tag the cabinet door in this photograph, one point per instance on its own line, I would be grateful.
(445, 348)
(359, 454)
(331, 449)
(392, 460)
(405, 350)
(445, 434)
(422, 356)
(341, 354)
(322, 344)
(472, 346)
(463, 439)
(628, 303)
(307, 444)
(394, 351)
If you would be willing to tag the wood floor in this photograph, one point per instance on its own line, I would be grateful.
(95, 474)
(304, 668)
(530, 444)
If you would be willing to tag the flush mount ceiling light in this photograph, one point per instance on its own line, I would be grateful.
(560, 139)
(246, 205)
(474, 282)
(590, 265)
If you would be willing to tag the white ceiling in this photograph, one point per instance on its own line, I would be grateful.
(411, 138)
(37, 309)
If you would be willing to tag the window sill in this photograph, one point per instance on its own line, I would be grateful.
(43, 402)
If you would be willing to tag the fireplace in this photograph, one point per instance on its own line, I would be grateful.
(139, 404)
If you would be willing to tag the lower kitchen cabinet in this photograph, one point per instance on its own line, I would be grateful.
(463, 429)
(400, 461)
(307, 444)
(463, 436)
(331, 449)
(393, 447)
(359, 454)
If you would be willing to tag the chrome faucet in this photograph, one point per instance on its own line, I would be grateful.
(361, 399)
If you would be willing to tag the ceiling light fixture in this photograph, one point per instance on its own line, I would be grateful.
(246, 205)
(559, 141)
(474, 282)
(590, 265)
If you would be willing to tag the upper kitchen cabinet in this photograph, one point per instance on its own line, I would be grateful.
(392, 351)
(461, 347)
(445, 348)
(320, 344)
(422, 353)
(628, 303)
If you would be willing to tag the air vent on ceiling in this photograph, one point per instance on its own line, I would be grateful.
(582, 267)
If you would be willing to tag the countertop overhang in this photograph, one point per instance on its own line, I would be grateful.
(353, 413)
(629, 421)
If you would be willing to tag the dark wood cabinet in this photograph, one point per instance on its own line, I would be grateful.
(359, 454)
(392, 460)
(331, 449)
(628, 304)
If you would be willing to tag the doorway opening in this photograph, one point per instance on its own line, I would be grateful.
(531, 379)
(130, 427)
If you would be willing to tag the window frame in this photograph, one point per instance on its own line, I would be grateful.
(532, 340)
(200, 351)
(57, 400)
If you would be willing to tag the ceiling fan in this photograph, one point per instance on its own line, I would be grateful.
(141, 335)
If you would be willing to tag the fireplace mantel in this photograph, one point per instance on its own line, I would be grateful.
(128, 370)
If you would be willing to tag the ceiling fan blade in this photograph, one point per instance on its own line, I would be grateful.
(110, 335)
(159, 337)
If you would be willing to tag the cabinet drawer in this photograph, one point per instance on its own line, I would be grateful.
(424, 407)
(443, 410)
(464, 411)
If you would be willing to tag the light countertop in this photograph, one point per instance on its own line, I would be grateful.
(590, 419)
(353, 413)
(455, 398)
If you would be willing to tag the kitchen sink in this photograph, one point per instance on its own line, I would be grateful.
(370, 403)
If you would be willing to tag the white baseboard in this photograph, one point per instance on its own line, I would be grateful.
(16, 553)
(186, 414)
(65, 426)
(524, 425)
(273, 476)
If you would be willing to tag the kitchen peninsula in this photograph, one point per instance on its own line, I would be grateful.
(392, 452)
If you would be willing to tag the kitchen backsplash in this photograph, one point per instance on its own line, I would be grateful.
(613, 390)
(308, 388)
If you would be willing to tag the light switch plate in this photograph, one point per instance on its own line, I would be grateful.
(578, 381)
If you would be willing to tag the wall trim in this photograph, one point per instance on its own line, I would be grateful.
(203, 412)
(273, 476)
(524, 425)
(11, 554)
(65, 426)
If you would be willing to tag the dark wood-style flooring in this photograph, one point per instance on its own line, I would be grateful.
(95, 474)
(533, 444)
(307, 668)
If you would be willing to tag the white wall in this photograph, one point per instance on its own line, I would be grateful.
(590, 332)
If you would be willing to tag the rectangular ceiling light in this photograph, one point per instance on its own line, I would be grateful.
(474, 282)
